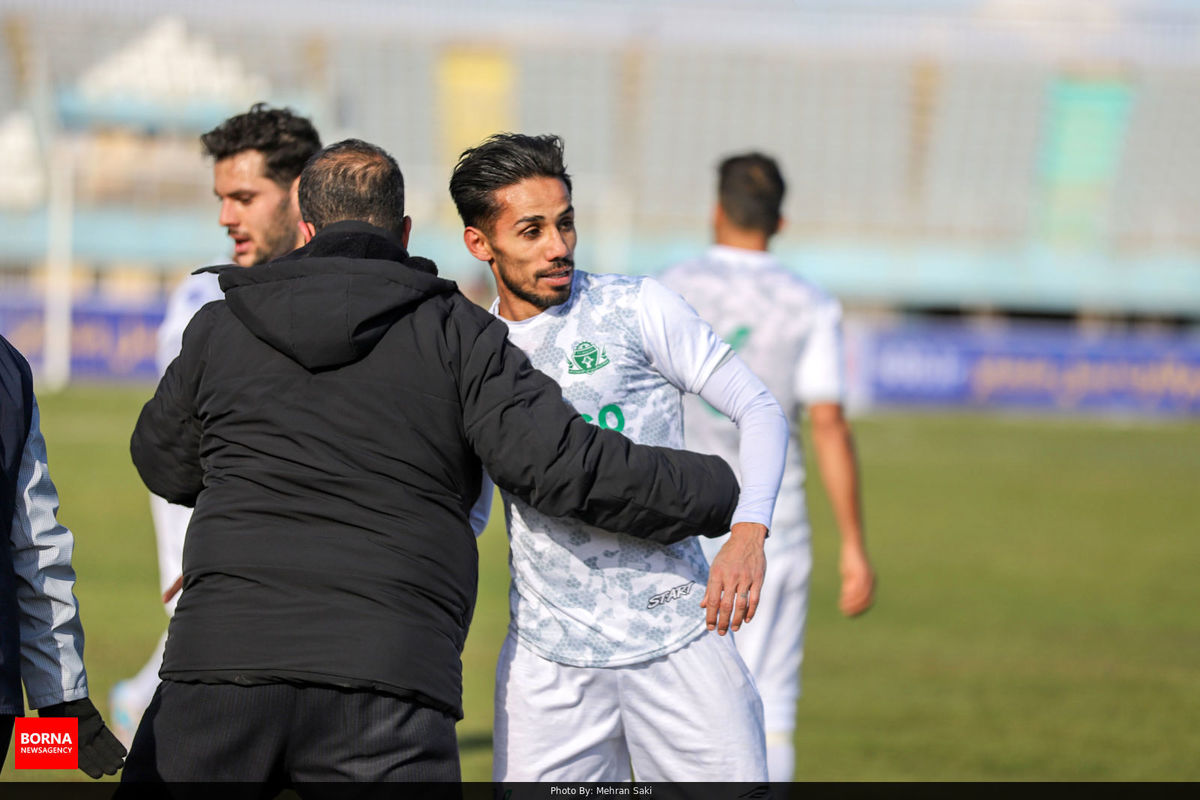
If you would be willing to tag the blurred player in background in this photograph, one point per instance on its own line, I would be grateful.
(610, 660)
(41, 637)
(257, 159)
(789, 332)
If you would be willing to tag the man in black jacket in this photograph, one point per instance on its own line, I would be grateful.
(41, 637)
(329, 421)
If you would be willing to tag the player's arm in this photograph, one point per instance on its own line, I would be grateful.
(834, 443)
(736, 392)
(165, 445)
(686, 351)
(820, 385)
(51, 633)
(51, 636)
(536, 447)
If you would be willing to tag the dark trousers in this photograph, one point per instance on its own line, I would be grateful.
(279, 735)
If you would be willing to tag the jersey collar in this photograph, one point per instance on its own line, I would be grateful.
(752, 259)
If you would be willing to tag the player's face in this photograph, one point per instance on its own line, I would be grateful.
(260, 215)
(531, 246)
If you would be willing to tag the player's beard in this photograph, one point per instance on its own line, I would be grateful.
(548, 299)
(281, 237)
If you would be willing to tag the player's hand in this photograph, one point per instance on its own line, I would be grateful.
(858, 582)
(99, 751)
(735, 578)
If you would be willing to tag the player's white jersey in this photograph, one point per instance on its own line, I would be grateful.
(170, 520)
(192, 293)
(788, 332)
(623, 349)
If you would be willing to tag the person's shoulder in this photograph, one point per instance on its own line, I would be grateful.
(207, 314)
(791, 286)
(12, 358)
(818, 297)
(689, 268)
(591, 281)
(454, 311)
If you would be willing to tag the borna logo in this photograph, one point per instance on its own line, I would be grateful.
(46, 743)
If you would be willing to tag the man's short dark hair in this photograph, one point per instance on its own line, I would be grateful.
(750, 190)
(502, 160)
(286, 140)
(353, 180)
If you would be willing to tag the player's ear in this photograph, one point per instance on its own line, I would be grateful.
(477, 243)
(307, 231)
(407, 231)
(294, 196)
(780, 225)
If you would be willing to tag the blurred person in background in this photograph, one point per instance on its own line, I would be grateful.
(331, 422)
(611, 660)
(41, 637)
(257, 159)
(789, 332)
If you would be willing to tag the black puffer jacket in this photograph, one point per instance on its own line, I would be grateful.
(328, 420)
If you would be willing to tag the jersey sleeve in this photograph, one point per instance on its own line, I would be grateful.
(51, 635)
(737, 393)
(679, 344)
(820, 372)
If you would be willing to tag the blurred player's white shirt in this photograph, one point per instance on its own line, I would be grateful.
(192, 293)
(772, 317)
(623, 349)
(170, 520)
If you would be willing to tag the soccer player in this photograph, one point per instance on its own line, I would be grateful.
(611, 658)
(41, 638)
(789, 332)
(257, 158)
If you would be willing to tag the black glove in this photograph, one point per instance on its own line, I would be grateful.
(99, 751)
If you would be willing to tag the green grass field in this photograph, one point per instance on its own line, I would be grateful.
(1037, 617)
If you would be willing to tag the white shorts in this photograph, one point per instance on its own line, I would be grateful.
(772, 644)
(691, 715)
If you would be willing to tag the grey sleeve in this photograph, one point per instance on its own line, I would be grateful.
(737, 393)
(51, 634)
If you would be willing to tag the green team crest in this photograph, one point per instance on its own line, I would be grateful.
(586, 359)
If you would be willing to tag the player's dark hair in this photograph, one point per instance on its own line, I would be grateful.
(750, 190)
(353, 180)
(502, 160)
(286, 140)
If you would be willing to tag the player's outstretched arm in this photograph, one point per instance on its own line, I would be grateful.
(735, 578)
(834, 444)
(534, 446)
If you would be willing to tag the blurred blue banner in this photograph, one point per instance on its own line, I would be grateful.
(1000, 365)
(108, 342)
(1030, 366)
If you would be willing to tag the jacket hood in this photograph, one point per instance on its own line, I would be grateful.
(330, 302)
